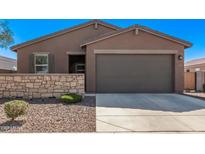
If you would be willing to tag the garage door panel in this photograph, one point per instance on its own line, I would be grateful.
(134, 73)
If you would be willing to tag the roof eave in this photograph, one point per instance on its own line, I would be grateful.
(13, 48)
(166, 36)
(112, 35)
(61, 32)
(188, 45)
(185, 43)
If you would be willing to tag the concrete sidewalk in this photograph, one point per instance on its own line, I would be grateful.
(149, 113)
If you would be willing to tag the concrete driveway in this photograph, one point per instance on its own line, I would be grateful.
(149, 113)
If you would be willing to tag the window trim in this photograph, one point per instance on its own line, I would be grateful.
(35, 65)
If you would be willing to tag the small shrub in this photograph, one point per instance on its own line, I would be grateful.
(15, 108)
(71, 98)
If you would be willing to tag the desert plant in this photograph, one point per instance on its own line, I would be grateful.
(71, 98)
(15, 108)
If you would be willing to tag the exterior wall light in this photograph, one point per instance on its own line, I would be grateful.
(180, 57)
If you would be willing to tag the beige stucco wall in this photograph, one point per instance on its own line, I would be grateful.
(59, 46)
(8, 64)
(132, 41)
(40, 86)
(192, 68)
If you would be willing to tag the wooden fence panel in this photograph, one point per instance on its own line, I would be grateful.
(189, 81)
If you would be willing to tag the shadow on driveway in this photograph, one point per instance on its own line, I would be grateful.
(159, 102)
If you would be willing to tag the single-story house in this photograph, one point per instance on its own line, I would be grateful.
(114, 59)
(195, 65)
(7, 65)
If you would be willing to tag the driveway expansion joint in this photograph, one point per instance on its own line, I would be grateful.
(151, 112)
(115, 125)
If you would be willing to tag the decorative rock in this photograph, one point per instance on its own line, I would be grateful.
(29, 85)
(72, 91)
(73, 84)
(81, 81)
(9, 78)
(17, 78)
(38, 86)
(45, 95)
(47, 78)
(2, 78)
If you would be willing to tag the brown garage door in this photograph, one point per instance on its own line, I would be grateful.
(134, 73)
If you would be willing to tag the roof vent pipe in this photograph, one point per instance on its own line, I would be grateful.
(136, 31)
(96, 25)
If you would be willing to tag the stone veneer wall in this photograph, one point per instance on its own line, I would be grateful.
(40, 85)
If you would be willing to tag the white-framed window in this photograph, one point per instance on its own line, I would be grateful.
(41, 63)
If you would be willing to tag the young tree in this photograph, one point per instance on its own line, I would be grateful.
(6, 35)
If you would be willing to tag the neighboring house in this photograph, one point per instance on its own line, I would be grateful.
(195, 68)
(195, 65)
(7, 65)
(114, 59)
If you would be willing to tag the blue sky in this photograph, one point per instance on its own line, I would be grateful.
(190, 30)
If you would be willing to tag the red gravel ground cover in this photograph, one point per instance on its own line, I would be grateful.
(50, 115)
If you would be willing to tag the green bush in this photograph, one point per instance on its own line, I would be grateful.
(71, 98)
(15, 108)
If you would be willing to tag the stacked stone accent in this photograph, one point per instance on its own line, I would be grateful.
(40, 85)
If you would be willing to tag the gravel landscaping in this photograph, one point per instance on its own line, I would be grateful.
(50, 115)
